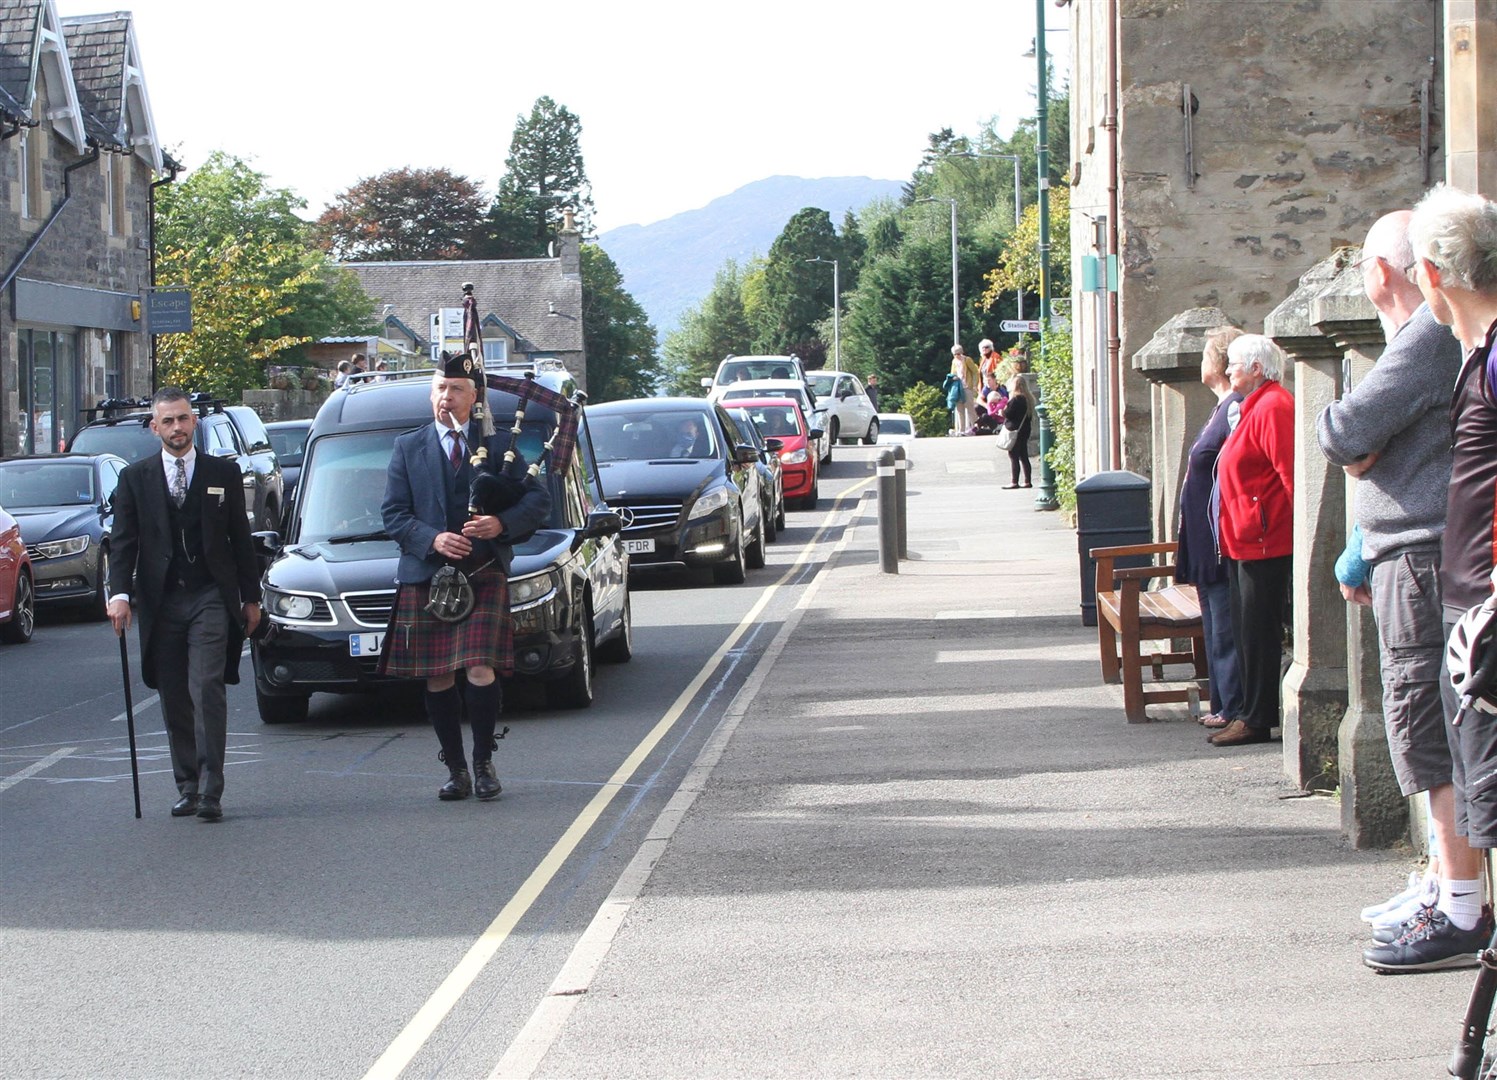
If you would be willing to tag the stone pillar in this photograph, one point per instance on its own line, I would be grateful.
(1471, 95)
(1374, 812)
(1315, 686)
(1171, 361)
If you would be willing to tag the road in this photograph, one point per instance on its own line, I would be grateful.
(340, 921)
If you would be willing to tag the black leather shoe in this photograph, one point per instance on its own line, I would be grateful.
(460, 786)
(485, 780)
(209, 808)
(186, 806)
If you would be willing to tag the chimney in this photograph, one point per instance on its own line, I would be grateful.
(570, 245)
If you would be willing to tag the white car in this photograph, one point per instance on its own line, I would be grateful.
(850, 412)
(895, 429)
(794, 389)
(736, 369)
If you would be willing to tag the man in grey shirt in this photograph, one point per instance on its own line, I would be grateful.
(1392, 432)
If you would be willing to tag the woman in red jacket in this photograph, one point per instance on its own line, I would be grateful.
(1255, 489)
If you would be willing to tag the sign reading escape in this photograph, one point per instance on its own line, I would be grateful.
(169, 311)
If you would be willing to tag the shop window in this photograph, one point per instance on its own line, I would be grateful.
(49, 389)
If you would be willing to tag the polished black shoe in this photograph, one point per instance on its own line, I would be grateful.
(209, 808)
(460, 786)
(186, 806)
(485, 780)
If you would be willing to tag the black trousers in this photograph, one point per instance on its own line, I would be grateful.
(1260, 593)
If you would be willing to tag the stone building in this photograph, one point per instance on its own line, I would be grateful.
(78, 158)
(532, 308)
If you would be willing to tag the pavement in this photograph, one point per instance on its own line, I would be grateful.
(924, 841)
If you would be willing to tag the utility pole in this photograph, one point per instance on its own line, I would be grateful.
(1044, 498)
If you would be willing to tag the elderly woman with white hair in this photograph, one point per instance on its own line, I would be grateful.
(1255, 489)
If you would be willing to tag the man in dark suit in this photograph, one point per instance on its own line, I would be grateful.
(181, 547)
(426, 512)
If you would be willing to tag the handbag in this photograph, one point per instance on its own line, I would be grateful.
(1007, 438)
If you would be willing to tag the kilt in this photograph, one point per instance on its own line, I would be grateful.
(419, 645)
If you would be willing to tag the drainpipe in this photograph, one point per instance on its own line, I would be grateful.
(36, 238)
(173, 168)
(1114, 342)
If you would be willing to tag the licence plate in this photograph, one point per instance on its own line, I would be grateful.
(639, 547)
(365, 644)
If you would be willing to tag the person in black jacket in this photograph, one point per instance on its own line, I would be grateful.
(1018, 417)
(181, 547)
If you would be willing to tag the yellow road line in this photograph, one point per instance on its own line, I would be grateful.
(446, 996)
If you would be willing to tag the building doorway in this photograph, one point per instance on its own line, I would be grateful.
(50, 379)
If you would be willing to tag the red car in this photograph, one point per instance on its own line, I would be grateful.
(17, 591)
(781, 418)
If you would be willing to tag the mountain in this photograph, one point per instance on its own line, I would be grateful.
(669, 265)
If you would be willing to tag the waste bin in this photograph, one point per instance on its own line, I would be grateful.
(1112, 508)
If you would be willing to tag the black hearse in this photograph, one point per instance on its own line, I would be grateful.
(330, 584)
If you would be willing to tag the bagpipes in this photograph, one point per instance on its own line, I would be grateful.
(498, 487)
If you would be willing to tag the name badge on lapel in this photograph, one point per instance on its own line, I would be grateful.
(219, 492)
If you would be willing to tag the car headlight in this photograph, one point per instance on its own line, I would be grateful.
(794, 457)
(709, 503)
(56, 549)
(532, 590)
(289, 605)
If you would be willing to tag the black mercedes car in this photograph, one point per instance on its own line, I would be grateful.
(686, 484)
(330, 585)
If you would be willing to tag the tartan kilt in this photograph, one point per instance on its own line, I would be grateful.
(419, 645)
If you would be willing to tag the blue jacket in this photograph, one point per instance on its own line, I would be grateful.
(419, 494)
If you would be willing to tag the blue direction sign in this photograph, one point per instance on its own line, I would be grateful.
(169, 311)
(1020, 326)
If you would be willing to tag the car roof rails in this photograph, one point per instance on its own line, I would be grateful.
(113, 408)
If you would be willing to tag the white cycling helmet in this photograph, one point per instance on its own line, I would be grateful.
(1471, 658)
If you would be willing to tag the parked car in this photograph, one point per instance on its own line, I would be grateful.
(288, 438)
(849, 411)
(330, 586)
(781, 420)
(813, 409)
(736, 369)
(227, 431)
(688, 489)
(895, 429)
(64, 504)
(17, 598)
(771, 473)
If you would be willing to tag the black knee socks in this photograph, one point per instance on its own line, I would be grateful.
(445, 710)
(484, 703)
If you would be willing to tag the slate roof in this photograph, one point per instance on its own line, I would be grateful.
(97, 50)
(19, 23)
(519, 292)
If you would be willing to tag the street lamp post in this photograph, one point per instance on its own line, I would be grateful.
(1044, 498)
(1018, 206)
(956, 310)
(836, 310)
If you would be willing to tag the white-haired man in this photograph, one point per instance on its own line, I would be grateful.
(1454, 239)
(1392, 431)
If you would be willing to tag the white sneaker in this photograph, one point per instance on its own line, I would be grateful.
(1427, 895)
(1397, 900)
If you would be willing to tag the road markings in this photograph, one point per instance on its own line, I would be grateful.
(35, 767)
(446, 996)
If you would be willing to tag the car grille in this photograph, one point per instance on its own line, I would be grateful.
(649, 516)
(371, 609)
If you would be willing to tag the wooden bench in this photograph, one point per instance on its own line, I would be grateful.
(1128, 616)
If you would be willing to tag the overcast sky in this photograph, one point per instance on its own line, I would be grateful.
(679, 102)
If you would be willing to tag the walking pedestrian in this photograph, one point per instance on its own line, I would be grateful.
(426, 512)
(180, 548)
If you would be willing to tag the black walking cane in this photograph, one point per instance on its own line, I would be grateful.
(130, 720)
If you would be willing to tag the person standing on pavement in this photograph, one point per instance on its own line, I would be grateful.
(1392, 432)
(989, 359)
(872, 390)
(1454, 239)
(1198, 558)
(181, 548)
(426, 512)
(1018, 417)
(1255, 483)
(961, 390)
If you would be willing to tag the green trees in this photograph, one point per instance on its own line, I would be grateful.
(544, 176)
(404, 214)
(622, 361)
(709, 332)
(260, 288)
(797, 293)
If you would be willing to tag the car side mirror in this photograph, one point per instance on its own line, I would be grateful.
(774, 446)
(602, 522)
(817, 433)
(222, 452)
(745, 454)
(706, 382)
(267, 545)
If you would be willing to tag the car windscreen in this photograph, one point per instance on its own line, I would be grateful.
(761, 392)
(644, 436)
(821, 385)
(890, 425)
(288, 443)
(738, 370)
(343, 483)
(46, 483)
(776, 421)
(131, 440)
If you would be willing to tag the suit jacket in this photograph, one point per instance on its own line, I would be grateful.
(418, 487)
(140, 547)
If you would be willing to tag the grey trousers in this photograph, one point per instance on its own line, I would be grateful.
(191, 635)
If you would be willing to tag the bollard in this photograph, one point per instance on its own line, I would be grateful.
(888, 527)
(901, 507)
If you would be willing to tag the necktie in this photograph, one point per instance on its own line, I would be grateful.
(179, 483)
(457, 451)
